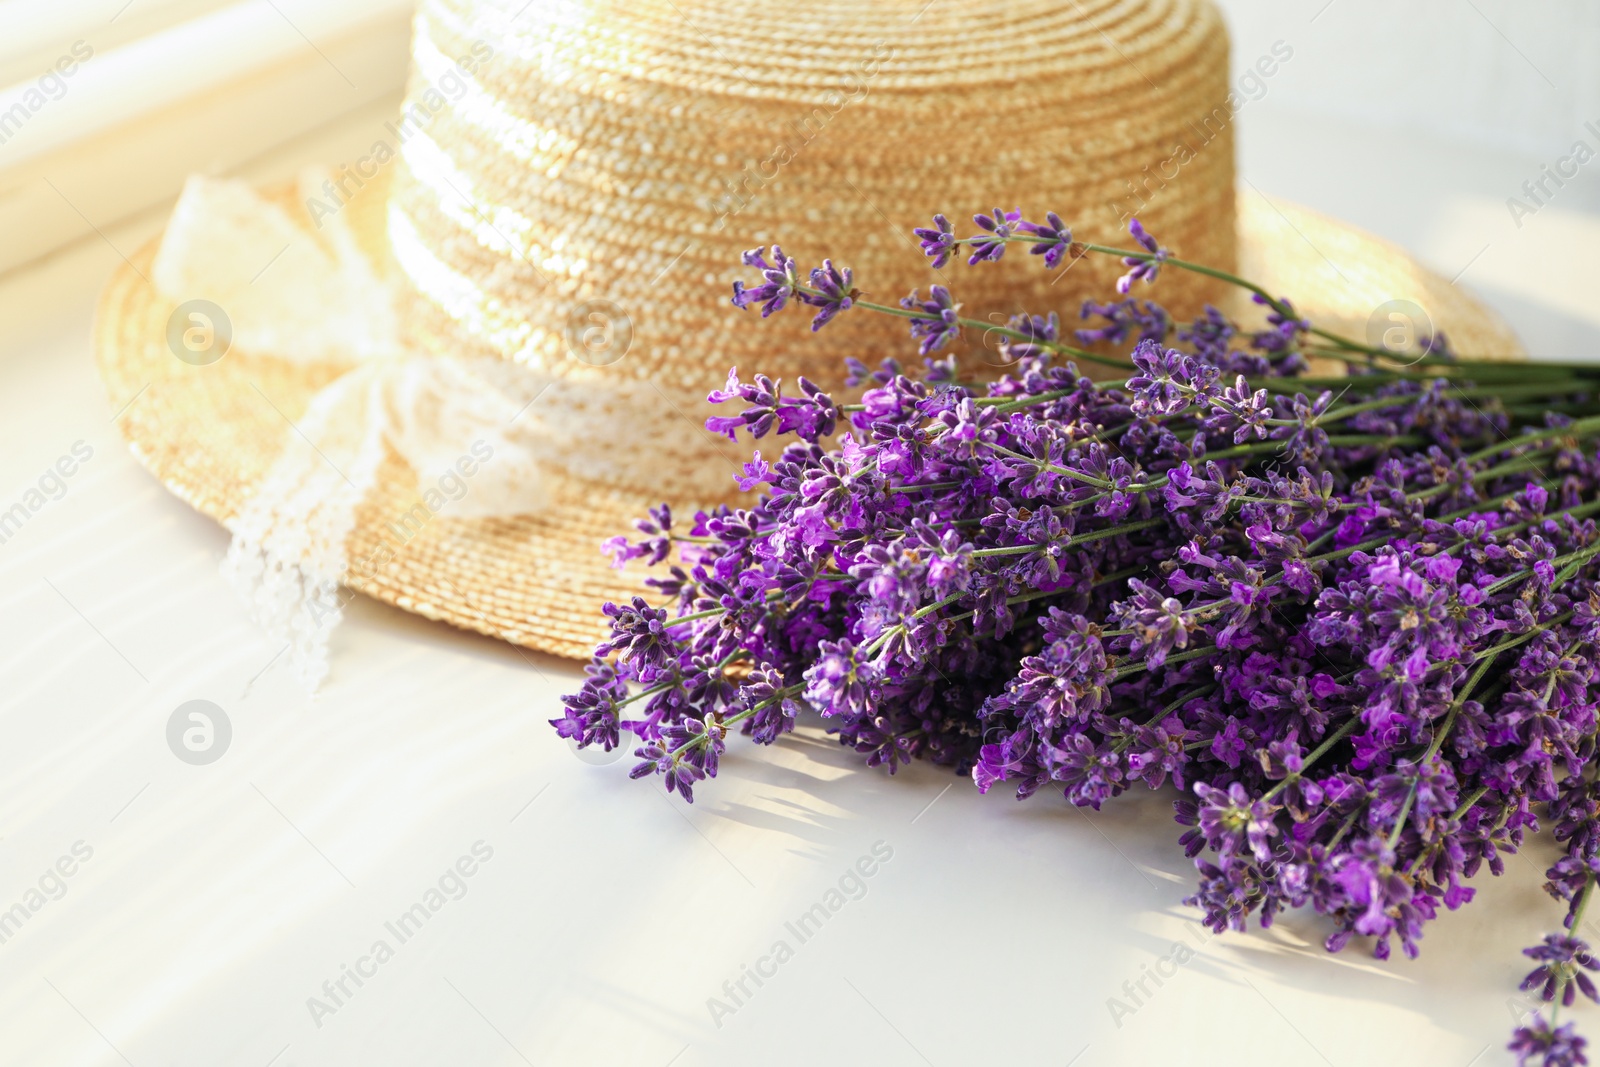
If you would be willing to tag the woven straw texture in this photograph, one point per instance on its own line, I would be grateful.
(587, 161)
(629, 153)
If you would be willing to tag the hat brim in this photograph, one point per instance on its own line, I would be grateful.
(210, 433)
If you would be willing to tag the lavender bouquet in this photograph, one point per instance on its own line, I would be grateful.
(1352, 619)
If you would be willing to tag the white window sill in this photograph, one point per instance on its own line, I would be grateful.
(119, 133)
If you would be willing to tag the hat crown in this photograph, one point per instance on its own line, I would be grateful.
(579, 178)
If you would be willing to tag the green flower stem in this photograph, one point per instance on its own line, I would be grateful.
(777, 697)
(1007, 404)
(662, 688)
(1480, 372)
(1575, 512)
(1508, 389)
(1452, 392)
(1534, 412)
(1258, 448)
(922, 613)
(1379, 542)
(1079, 247)
(1199, 692)
(926, 485)
(1583, 904)
(1073, 541)
(883, 638)
(1466, 805)
(1578, 559)
(1580, 429)
(929, 609)
(1264, 447)
(1433, 850)
(772, 597)
(1012, 550)
(1344, 827)
(697, 616)
(978, 324)
(1025, 598)
(1524, 638)
(1523, 462)
(1571, 562)
(1181, 657)
(1373, 376)
(1492, 502)
(1117, 576)
(1273, 302)
(1343, 346)
(1405, 810)
(1315, 754)
(1115, 531)
(1455, 707)
(1078, 476)
(1013, 601)
(1577, 921)
(1336, 415)
(1373, 439)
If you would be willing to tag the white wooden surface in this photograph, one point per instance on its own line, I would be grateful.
(219, 898)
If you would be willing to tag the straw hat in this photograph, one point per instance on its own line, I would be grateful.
(492, 335)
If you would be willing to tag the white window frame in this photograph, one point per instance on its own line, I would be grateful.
(184, 86)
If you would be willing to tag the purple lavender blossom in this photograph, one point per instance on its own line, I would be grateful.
(1232, 822)
(779, 279)
(1562, 963)
(1556, 1046)
(1147, 320)
(938, 241)
(1164, 384)
(1158, 623)
(1354, 625)
(835, 293)
(1055, 239)
(989, 246)
(1143, 270)
(839, 683)
(935, 324)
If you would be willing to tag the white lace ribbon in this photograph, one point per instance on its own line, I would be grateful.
(321, 301)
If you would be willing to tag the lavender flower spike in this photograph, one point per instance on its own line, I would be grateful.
(779, 279)
(1358, 627)
(938, 242)
(1143, 270)
(936, 323)
(835, 293)
(1056, 239)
